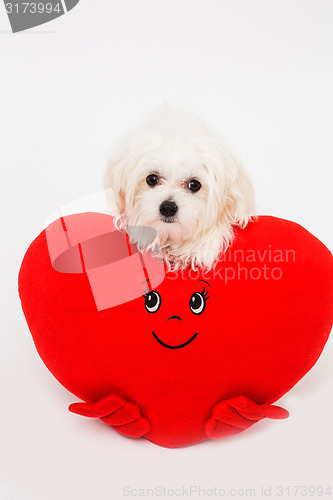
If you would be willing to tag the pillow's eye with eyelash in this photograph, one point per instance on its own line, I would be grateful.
(152, 301)
(152, 180)
(194, 185)
(198, 302)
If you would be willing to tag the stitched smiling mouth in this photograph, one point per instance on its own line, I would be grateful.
(174, 346)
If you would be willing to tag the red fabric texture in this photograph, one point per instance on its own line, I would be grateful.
(174, 376)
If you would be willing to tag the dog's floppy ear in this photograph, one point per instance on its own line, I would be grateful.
(235, 186)
(115, 179)
(240, 195)
(231, 187)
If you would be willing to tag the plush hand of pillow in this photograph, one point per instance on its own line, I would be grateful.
(123, 416)
(185, 356)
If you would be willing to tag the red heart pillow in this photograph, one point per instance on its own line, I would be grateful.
(179, 358)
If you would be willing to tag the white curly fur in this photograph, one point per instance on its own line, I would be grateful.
(178, 146)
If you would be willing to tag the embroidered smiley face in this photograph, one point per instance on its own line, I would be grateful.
(197, 305)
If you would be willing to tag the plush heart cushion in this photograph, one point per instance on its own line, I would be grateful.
(185, 356)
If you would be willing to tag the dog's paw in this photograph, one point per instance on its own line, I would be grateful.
(125, 417)
(236, 414)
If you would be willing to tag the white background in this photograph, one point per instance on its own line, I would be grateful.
(261, 72)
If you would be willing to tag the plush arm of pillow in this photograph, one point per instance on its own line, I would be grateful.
(114, 410)
(236, 414)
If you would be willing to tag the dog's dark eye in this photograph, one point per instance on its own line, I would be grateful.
(194, 185)
(152, 302)
(152, 180)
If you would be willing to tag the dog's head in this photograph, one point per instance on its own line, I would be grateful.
(179, 177)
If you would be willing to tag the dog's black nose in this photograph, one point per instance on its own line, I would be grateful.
(168, 208)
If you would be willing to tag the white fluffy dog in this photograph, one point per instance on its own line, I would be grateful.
(176, 175)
